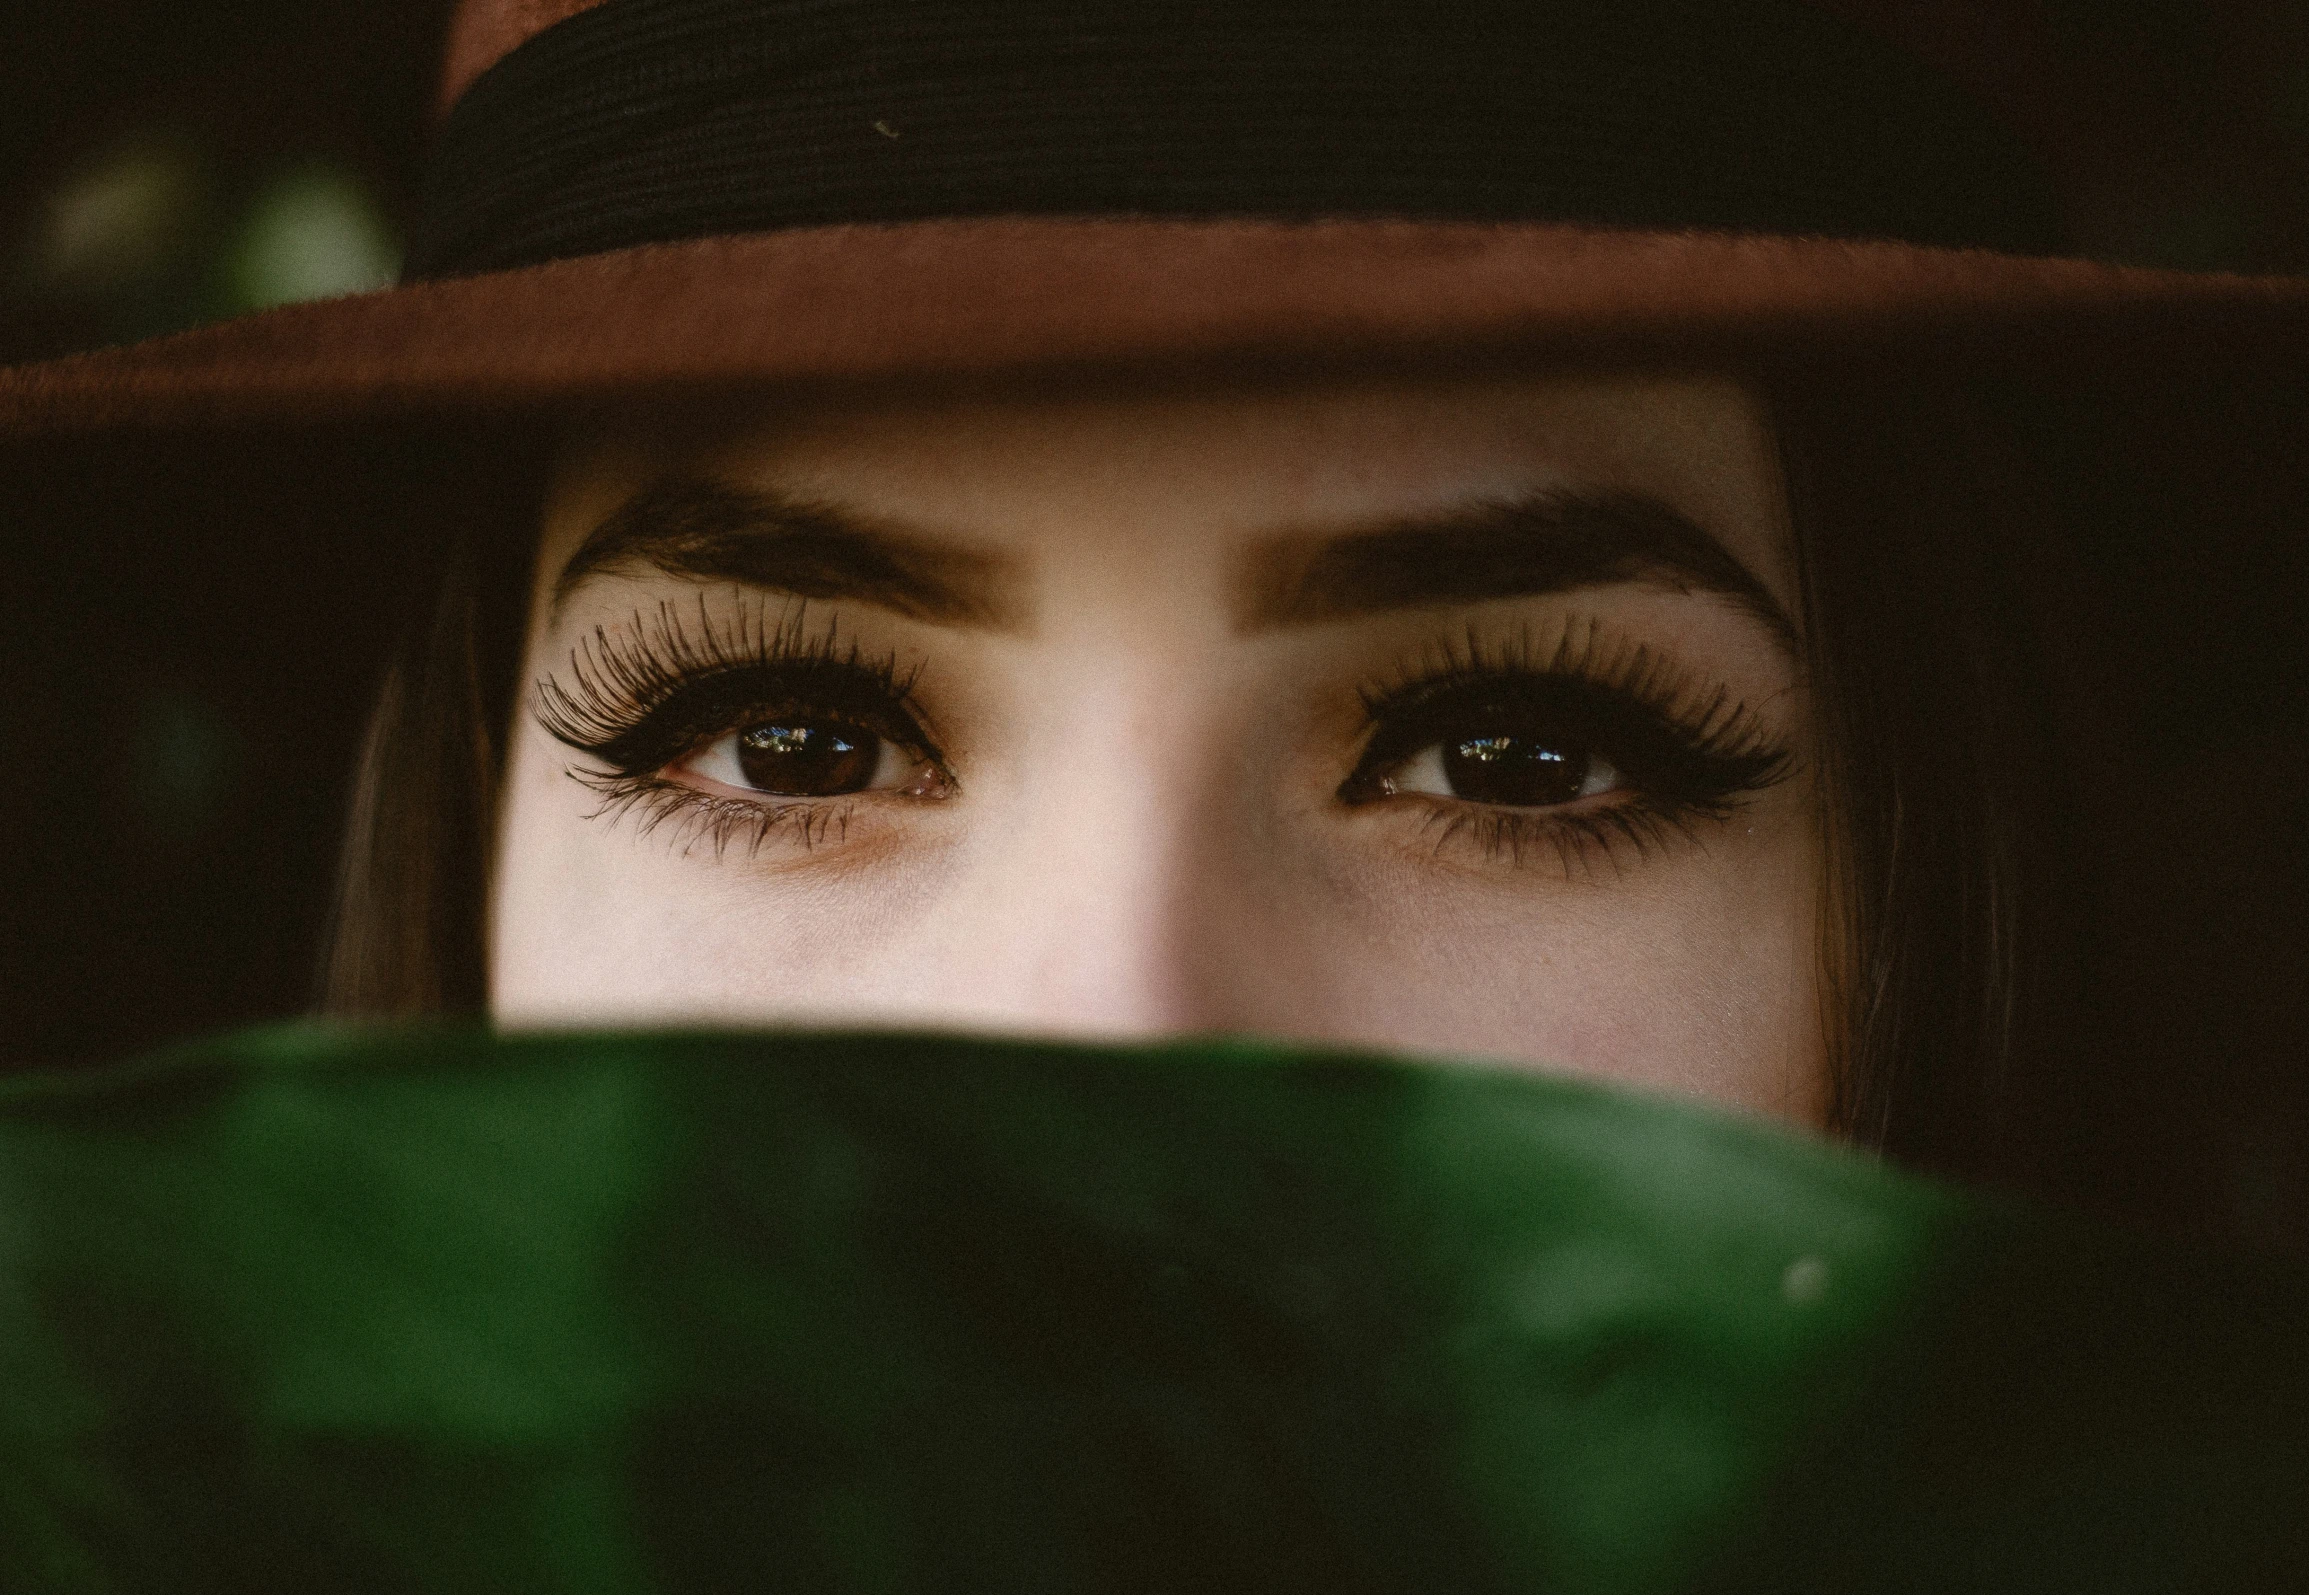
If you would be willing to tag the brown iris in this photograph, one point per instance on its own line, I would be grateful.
(1516, 771)
(808, 760)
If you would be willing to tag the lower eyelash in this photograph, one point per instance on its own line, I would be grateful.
(1579, 839)
(703, 821)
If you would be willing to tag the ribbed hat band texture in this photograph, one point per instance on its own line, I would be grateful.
(649, 121)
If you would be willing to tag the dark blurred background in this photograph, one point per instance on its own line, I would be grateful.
(179, 725)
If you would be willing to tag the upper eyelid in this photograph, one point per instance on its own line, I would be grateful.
(637, 716)
(1392, 738)
(1583, 649)
(619, 682)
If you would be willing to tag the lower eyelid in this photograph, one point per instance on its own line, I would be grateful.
(694, 819)
(1577, 842)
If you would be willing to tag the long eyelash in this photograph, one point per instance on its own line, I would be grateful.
(1712, 720)
(618, 683)
(639, 700)
(1707, 723)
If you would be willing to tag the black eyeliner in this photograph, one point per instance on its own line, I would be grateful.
(640, 700)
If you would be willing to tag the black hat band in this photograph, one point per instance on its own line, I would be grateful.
(648, 121)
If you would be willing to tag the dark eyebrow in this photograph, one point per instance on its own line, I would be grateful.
(715, 531)
(1549, 543)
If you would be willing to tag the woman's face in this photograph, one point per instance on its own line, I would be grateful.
(1460, 718)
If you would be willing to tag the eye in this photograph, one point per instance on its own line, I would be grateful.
(804, 758)
(1526, 741)
(1512, 767)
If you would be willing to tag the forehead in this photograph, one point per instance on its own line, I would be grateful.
(1182, 471)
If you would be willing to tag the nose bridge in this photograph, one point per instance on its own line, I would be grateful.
(1102, 899)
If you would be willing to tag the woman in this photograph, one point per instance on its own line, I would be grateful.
(1529, 532)
(1480, 633)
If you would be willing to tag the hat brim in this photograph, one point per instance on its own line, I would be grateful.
(967, 298)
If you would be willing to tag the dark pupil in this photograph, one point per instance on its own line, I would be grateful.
(806, 760)
(1525, 772)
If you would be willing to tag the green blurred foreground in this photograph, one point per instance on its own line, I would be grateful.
(310, 1311)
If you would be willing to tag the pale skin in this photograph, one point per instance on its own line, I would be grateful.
(1132, 787)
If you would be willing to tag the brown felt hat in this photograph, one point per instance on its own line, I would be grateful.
(638, 193)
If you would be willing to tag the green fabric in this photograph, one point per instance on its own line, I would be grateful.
(306, 1310)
